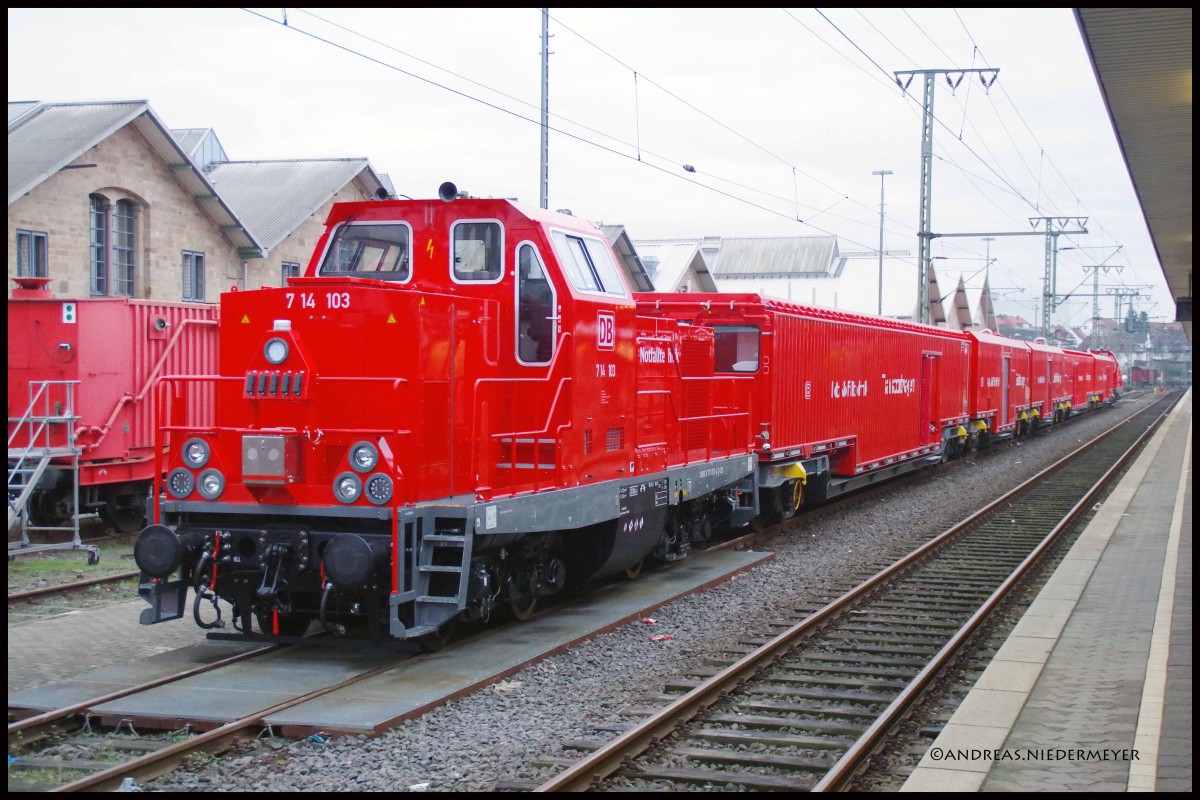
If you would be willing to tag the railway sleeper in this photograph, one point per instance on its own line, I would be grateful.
(702, 777)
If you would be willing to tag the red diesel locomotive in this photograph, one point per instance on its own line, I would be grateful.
(462, 408)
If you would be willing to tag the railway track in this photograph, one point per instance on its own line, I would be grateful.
(167, 753)
(801, 706)
(145, 757)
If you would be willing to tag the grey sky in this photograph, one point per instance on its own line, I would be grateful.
(782, 113)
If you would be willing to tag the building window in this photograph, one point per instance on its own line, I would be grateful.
(98, 215)
(31, 254)
(291, 269)
(193, 276)
(124, 236)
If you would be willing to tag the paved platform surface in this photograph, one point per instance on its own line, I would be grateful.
(370, 706)
(1093, 689)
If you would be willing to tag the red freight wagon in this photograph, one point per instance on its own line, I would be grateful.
(115, 348)
(1051, 391)
(1080, 378)
(831, 419)
(999, 394)
(1143, 376)
(1107, 376)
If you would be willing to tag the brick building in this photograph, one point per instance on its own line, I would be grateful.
(105, 200)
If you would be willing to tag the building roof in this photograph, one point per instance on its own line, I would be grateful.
(631, 264)
(969, 306)
(774, 257)
(272, 198)
(667, 261)
(43, 138)
(1142, 58)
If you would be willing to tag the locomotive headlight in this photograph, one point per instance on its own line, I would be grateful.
(379, 488)
(364, 457)
(180, 483)
(276, 351)
(347, 487)
(196, 453)
(211, 484)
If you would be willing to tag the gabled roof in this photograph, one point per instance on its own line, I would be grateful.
(45, 137)
(272, 198)
(635, 271)
(970, 307)
(668, 261)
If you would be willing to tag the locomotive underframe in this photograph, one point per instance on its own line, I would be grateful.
(459, 558)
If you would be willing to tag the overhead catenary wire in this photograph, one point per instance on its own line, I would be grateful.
(1002, 182)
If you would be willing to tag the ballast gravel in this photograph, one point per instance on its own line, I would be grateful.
(492, 738)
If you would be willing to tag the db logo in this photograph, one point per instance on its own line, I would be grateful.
(606, 330)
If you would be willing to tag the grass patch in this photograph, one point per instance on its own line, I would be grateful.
(54, 567)
(41, 776)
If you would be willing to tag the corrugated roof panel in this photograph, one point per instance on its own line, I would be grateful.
(272, 198)
(50, 139)
(775, 256)
(856, 289)
(18, 109)
(671, 260)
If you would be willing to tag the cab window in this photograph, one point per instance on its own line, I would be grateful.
(477, 249)
(535, 309)
(370, 250)
(588, 264)
(735, 348)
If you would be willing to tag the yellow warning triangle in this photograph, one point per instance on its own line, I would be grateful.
(391, 319)
(245, 319)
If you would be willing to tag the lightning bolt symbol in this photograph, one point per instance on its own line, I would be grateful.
(429, 249)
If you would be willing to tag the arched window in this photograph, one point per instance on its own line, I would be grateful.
(98, 242)
(124, 239)
(112, 245)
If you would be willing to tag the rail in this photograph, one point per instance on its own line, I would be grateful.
(618, 753)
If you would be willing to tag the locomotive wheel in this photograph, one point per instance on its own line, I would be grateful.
(633, 572)
(437, 641)
(523, 607)
(289, 624)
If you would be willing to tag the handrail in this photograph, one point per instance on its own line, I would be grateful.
(563, 380)
(127, 398)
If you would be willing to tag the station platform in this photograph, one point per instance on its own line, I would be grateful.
(1093, 689)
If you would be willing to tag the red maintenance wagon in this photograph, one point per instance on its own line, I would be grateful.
(81, 372)
(1107, 381)
(1050, 382)
(841, 399)
(1000, 396)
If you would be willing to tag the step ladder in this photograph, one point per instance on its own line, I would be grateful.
(442, 573)
(44, 433)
